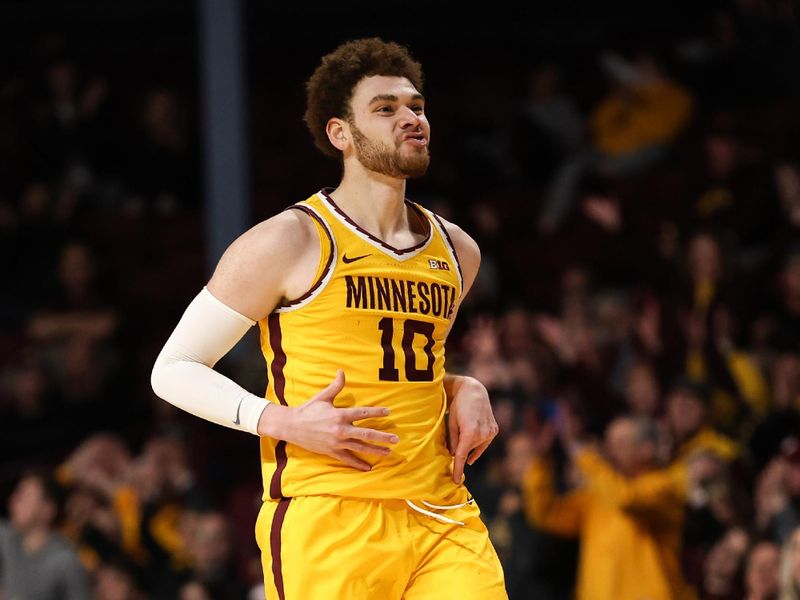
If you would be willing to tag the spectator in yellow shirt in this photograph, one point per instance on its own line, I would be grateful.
(687, 416)
(630, 129)
(628, 513)
(646, 110)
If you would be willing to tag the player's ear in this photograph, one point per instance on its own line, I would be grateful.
(338, 133)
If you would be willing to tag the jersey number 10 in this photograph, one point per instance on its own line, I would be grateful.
(411, 327)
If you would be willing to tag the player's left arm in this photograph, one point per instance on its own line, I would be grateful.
(471, 423)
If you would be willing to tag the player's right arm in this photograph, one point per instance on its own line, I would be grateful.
(274, 260)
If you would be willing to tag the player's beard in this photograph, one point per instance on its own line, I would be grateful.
(382, 158)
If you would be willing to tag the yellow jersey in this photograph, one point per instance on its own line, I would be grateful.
(382, 315)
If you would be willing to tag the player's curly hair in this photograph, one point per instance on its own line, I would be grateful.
(330, 88)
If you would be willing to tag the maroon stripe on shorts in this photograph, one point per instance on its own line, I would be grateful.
(275, 490)
(279, 385)
(275, 545)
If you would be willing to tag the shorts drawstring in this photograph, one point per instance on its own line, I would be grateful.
(437, 516)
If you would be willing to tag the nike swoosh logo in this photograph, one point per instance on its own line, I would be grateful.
(347, 260)
(237, 421)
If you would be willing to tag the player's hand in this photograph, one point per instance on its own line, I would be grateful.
(320, 427)
(471, 424)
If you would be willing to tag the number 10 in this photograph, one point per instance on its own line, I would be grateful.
(411, 327)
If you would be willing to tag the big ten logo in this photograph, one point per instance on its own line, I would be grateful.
(441, 265)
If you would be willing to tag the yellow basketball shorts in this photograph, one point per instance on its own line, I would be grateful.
(334, 548)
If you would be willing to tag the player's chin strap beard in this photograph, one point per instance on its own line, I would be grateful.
(437, 516)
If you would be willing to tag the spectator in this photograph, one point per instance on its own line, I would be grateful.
(210, 549)
(783, 418)
(687, 422)
(36, 237)
(790, 568)
(92, 473)
(626, 503)
(645, 113)
(115, 580)
(486, 362)
(723, 568)
(715, 62)
(787, 182)
(534, 563)
(92, 525)
(31, 426)
(642, 393)
(735, 192)
(631, 129)
(153, 497)
(192, 590)
(710, 512)
(761, 573)
(701, 334)
(778, 493)
(782, 318)
(551, 126)
(153, 502)
(78, 305)
(162, 167)
(57, 118)
(36, 562)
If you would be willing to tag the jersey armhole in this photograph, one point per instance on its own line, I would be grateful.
(327, 253)
(451, 248)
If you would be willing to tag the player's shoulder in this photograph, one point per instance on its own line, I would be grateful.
(292, 225)
(287, 232)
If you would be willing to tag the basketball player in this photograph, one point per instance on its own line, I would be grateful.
(354, 291)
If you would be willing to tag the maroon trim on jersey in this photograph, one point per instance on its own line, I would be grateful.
(279, 385)
(328, 264)
(452, 247)
(279, 356)
(275, 545)
(417, 211)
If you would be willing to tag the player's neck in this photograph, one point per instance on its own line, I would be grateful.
(376, 202)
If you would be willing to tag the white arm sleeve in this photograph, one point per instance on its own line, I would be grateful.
(183, 373)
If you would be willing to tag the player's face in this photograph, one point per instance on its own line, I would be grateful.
(390, 131)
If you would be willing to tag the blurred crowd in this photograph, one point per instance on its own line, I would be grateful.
(636, 318)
